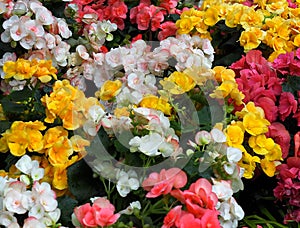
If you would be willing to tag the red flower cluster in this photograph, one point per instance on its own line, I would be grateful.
(114, 10)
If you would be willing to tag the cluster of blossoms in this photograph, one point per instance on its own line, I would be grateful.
(275, 24)
(61, 149)
(146, 15)
(100, 214)
(202, 204)
(287, 189)
(33, 26)
(27, 195)
(16, 72)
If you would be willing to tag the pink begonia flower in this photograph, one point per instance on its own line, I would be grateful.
(281, 136)
(210, 219)
(198, 198)
(269, 107)
(169, 5)
(287, 105)
(168, 28)
(85, 215)
(188, 220)
(172, 217)
(101, 213)
(162, 183)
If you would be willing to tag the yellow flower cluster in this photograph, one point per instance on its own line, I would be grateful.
(60, 150)
(270, 22)
(23, 69)
(228, 87)
(69, 104)
(252, 126)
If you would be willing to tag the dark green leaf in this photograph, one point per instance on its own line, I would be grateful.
(81, 182)
(4, 125)
(67, 205)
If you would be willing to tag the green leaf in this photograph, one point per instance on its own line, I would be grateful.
(81, 182)
(67, 205)
(292, 84)
(4, 125)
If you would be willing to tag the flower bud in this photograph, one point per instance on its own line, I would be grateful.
(203, 138)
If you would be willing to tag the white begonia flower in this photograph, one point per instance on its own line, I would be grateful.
(222, 189)
(234, 154)
(10, 22)
(150, 144)
(50, 40)
(42, 14)
(63, 28)
(60, 53)
(218, 136)
(37, 211)
(51, 218)
(82, 52)
(44, 196)
(166, 149)
(2, 7)
(107, 26)
(29, 40)
(114, 57)
(35, 27)
(17, 31)
(7, 218)
(5, 36)
(40, 43)
(24, 164)
(129, 210)
(127, 181)
(14, 201)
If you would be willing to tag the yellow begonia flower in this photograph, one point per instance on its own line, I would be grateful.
(19, 70)
(154, 102)
(224, 89)
(178, 83)
(234, 14)
(234, 134)
(184, 25)
(261, 144)
(45, 71)
(275, 154)
(60, 180)
(221, 74)
(60, 151)
(53, 134)
(199, 74)
(24, 136)
(250, 107)
(254, 124)
(66, 102)
(268, 167)
(277, 7)
(109, 90)
(249, 39)
(211, 16)
(251, 18)
(79, 143)
(297, 40)
(248, 162)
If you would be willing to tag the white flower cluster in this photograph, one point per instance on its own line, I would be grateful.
(34, 27)
(161, 139)
(217, 154)
(230, 211)
(26, 195)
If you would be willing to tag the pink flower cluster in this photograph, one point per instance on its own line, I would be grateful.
(100, 213)
(288, 186)
(199, 200)
(113, 10)
(262, 82)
